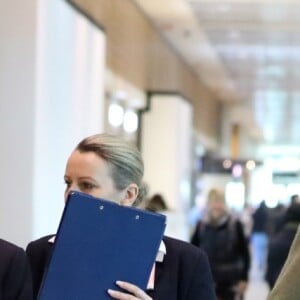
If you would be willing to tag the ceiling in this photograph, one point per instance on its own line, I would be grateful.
(247, 53)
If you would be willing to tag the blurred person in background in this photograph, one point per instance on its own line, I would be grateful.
(278, 214)
(157, 204)
(281, 242)
(174, 228)
(222, 237)
(246, 218)
(259, 237)
(276, 219)
(295, 199)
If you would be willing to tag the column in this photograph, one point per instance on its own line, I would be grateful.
(17, 97)
(166, 148)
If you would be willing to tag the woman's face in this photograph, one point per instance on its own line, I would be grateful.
(216, 208)
(88, 173)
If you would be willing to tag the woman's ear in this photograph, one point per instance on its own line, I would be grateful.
(131, 193)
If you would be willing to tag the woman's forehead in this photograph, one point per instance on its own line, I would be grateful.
(86, 160)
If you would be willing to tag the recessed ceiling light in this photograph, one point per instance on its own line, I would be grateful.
(130, 121)
(250, 164)
(227, 163)
(115, 114)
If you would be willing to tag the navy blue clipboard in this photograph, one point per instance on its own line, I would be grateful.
(97, 243)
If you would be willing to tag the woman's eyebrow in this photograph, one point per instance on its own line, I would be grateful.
(87, 178)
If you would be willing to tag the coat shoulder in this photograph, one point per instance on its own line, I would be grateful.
(40, 245)
(193, 274)
(182, 247)
(9, 250)
(41, 241)
(184, 253)
(8, 245)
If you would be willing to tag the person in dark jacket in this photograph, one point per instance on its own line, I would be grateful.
(259, 237)
(15, 277)
(222, 237)
(280, 244)
(107, 167)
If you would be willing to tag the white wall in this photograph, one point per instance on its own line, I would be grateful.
(166, 148)
(69, 101)
(17, 95)
(51, 77)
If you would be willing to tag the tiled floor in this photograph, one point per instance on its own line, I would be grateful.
(257, 289)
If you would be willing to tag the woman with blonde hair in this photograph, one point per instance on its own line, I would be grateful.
(108, 167)
(222, 237)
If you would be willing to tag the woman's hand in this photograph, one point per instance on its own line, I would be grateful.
(136, 292)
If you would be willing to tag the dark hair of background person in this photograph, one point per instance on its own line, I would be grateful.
(156, 203)
(295, 198)
(293, 213)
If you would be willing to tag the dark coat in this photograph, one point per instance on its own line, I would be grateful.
(260, 219)
(226, 246)
(278, 251)
(287, 284)
(15, 277)
(184, 273)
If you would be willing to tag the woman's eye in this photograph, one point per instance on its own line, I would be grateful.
(85, 186)
(67, 183)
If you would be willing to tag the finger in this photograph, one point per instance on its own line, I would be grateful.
(133, 289)
(119, 295)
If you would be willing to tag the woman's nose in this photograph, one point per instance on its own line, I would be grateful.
(71, 188)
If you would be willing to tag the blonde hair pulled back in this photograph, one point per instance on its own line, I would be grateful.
(124, 159)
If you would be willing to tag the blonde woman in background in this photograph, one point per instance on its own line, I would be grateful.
(222, 237)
